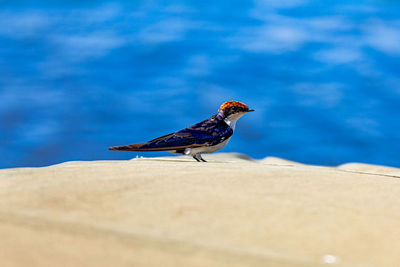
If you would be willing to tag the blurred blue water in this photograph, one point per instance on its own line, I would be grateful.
(79, 76)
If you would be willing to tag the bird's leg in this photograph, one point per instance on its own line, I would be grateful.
(199, 158)
(194, 156)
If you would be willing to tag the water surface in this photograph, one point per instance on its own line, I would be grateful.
(77, 77)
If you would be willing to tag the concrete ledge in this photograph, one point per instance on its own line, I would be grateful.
(231, 211)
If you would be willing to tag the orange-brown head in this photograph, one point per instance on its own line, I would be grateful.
(233, 109)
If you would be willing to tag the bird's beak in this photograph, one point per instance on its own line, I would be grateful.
(250, 110)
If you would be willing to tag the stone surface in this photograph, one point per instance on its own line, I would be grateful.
(230, 211)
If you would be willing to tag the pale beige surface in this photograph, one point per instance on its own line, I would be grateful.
(231, 211)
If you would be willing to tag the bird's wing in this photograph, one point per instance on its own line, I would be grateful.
(206, 133)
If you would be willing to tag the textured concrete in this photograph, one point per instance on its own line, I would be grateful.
(231, 211)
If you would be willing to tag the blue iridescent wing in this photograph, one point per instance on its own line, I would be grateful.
(206, 133)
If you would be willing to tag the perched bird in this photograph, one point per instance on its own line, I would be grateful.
(207, 136)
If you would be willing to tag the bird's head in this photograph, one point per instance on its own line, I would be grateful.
(233, 110)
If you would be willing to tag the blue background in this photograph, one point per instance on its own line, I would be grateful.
(79, 76)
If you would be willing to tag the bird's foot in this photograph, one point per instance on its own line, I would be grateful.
(199, 158)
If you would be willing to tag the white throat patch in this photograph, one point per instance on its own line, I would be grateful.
(232, 119)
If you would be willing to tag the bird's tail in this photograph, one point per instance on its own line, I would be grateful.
(133, 147)
(148, 146)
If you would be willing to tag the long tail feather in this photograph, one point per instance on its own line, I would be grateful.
(139, 147)
(133, 147)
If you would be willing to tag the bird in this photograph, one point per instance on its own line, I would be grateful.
(207, 136)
